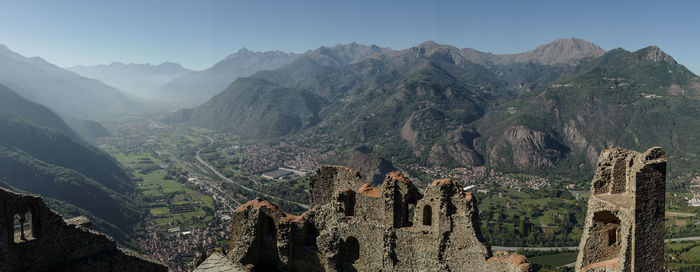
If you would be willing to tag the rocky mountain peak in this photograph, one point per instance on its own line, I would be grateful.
(562, 51)
(428, 44)
(654, 53)
(244, 50)
(430, 48)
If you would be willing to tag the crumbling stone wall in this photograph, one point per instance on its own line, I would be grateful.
(357, 227)
(353, 226)
(52, 244)
(624, 228)
(329, 179)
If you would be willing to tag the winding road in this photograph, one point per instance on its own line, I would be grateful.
(575, 248)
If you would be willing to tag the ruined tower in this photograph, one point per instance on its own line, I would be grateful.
(624, 228)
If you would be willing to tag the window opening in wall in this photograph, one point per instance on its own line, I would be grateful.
(23, 227)
(411, 210)
(612, 236)
(310, 234)
(427, 215)
(350, 206)
(352, 249)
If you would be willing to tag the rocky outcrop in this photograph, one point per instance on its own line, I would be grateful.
(372, 167)
(528, 149)
(654, 53)
(456, 149)
(34, 238)
(420, 128)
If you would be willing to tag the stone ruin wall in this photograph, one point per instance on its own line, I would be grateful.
(624, 229)
(352, 226)
(49, 243)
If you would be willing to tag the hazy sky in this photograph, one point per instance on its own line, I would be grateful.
(197, 34)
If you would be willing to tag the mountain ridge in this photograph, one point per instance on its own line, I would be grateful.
(62, 91)
(140, 79)
(430, 104)
(199, 86)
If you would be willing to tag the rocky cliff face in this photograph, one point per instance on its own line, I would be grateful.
(456, 148)
(524, 148)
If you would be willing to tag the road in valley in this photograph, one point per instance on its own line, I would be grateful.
(575, 248)
(221, 176)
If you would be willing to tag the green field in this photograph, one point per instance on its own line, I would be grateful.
(553, 260)
(169, 202)
(683, 256)
(531, 217)
(183, 205)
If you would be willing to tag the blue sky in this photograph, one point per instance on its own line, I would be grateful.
(199, 33)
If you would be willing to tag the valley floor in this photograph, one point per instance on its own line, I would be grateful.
(190, 180)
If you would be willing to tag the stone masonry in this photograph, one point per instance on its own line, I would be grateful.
(352, 226)
(34, 238)
(624, 228)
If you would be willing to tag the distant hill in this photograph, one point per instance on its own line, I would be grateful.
(372, 167)
(89, 130)
(12, 102)
(569, 51)
(315, 60)
(198, 87)
(256, 108)
(142, 80)
(63, 91)
(405, 99)
(79, 177)
(626, 99)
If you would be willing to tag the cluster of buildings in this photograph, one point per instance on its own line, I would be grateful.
(260, 157)
(177, 248)
(483, 176)
(285, 173)
(695, 188)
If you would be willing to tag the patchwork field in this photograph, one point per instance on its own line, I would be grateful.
(683, 256)
(170, 202)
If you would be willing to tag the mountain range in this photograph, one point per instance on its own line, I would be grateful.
(198, 87)
(64, 92)
(550, 109)
(142, 80)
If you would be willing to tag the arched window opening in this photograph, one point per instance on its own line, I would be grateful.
(427, 215)
(351, 249)
(23, 227)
